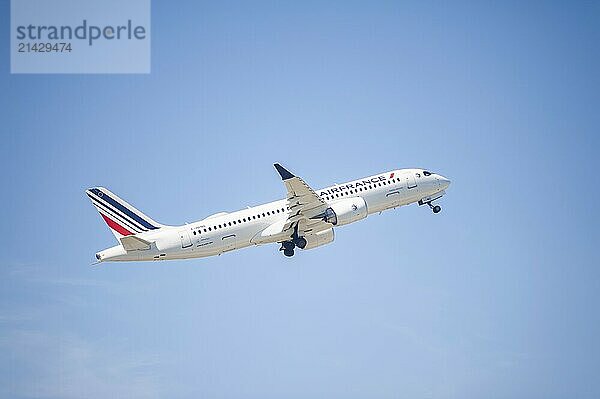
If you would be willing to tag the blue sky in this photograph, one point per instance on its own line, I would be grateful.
(497, 296)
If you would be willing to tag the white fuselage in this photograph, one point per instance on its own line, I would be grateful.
(258, 225)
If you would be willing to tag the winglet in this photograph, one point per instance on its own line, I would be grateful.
(285, 174)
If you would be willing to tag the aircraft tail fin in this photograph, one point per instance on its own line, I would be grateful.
(121, 217)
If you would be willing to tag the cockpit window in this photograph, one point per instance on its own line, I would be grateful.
(426, 173)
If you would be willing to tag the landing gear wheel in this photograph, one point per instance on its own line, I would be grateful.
(288, 245)
(300, 242)
(436, 209)
(288, 252)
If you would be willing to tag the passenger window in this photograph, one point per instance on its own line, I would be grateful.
(209, 229)
(418, 175)
(194, 232)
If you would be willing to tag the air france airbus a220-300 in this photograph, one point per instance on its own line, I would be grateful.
(305, 219)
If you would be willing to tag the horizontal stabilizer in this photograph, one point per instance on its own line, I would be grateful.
(133, 243)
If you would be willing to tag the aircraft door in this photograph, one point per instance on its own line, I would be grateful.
(411, 182)
(186, 242)
(228, 242)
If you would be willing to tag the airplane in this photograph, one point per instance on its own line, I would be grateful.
(305, 219)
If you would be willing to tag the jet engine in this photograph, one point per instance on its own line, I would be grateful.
(314, 240)
(346, 211)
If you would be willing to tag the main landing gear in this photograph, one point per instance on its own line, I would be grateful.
(300, 242)
(288, 246)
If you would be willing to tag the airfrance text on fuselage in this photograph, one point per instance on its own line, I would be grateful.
(362, 183)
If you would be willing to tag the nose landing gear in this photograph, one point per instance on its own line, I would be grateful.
(435, 208)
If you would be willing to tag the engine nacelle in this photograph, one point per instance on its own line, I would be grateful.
(346, 211)
(314, 240)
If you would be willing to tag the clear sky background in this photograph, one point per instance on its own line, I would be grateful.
(495, 297)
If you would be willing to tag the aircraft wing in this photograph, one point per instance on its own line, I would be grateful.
(306, 207)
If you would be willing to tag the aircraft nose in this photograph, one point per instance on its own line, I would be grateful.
(443, 181)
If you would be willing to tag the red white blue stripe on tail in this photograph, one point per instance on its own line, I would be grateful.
(122, 218)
